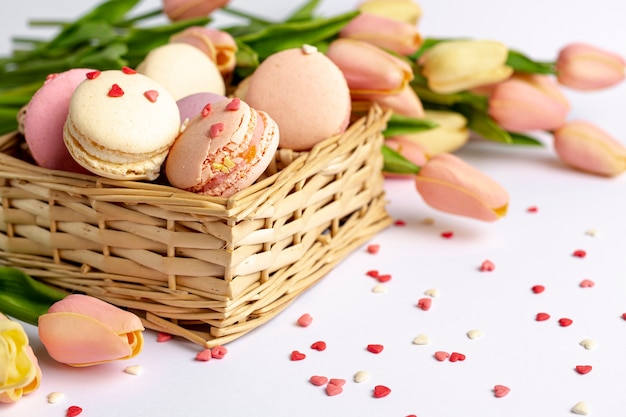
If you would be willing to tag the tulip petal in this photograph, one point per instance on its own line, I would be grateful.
(401, 10)
(405, 103)
(586, 67)
(450, 134)
(399, 37)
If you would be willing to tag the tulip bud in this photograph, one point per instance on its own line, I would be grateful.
(405, 103)
(406, 11)
(585, 67)
(589, 148)
(187, 9)
(410, 150)
(449, 184)
(450, 134)
(81, 331)
(453, 66)
(399, 37)
(19, 370)
(368, 69)
(531, 102)
(218, 45)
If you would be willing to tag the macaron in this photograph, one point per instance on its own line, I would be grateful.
(121, 124)
(45, 116)
(304, 92)
(222, 150)
(182, 69)
(191, 105)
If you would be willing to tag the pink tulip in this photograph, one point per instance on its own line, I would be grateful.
(524, 103)
(218, 45)
(369, 69)
(396, 36)
(81, 331)
(19, 369)
(405, 103)
(449, 184)
(412, 151)
(585, 67)
(589, 148)
(187, 9)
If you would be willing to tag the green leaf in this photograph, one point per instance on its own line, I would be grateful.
(305, 12)
(427, 96)
(521, 63)
(394, 162)
(402, 125)
(480, 122)
(110, 57)
(111, 11)
(89, 33)
(24, 298)
(522, 139)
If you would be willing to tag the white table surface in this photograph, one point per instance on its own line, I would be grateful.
(535, 359)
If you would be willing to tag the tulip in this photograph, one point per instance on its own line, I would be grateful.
(410, 150)
(368, 69)
(532, 102)
(187, 9)
(449, 184)
(81, 331)
(399, 37)
(218, 45)
(405, 103)
(19, 370)
(589, 148)
(586, 67)
(450, 134)
(406, 11)
(453, 66)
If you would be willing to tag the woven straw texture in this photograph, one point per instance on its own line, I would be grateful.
(204, 268)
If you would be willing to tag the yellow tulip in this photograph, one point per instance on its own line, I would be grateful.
(406, 11)
(450, 134)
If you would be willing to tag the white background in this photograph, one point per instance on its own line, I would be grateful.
(536, 360)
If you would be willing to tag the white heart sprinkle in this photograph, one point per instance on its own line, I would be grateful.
(134, 370)
(421, 339)
(475, 334)
(588, 344)
(379, 289)
(431, 292)
(361, 376)
(591, 232)
(55, 397)
(580, 408)
(309, 49)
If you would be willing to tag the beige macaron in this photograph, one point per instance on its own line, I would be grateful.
(304, 92)
(121, 125)
(182, 69)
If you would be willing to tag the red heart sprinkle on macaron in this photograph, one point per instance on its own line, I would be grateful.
(424, 303)
(564, 322)
(456, 356)
(538, 289)
(215, 130)
(501, 390)
(487, 266)
(441, 356)
(218, 352)
(163, 337)
(318, 380)
(92, 75)
(297, 356)
(542, 316)
(116, 91)
(374, 348)
(583, 369)
(332, 389)
(305, 320)
(319, 346)
(381, 391)
(579, 253)
(151, 95)
(234, 104)
(447, 235)
(204, 355)
(206, 110)
(73, 411)
(128, 70)
(587, 283)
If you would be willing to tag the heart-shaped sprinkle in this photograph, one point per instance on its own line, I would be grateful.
(447, 235)
(564, 322)
(475, 334)
(92, 75)
(318, 380)
(204, 355)
(588, 344)
(432, 292)
(580, 408)
(340, 382)
(375, 348)
(297, 356)
(361, 376)
(305, 320)
(372, 273)
(381, 391)
(424, 303)
(624, 316)
(73, 411)
(532, 209)
(579, 253)
(441, 356)
(55, 397)
(538, 289)
(373, 248)
(215, 130)
(384, 278)
(206, 110)
(332, 389)
(319, 346)
(421, 339)
(151, 95)
(309, 49)
(116, 91)
(379, 289)
(542, 317)
(487, 266)
(218, 352)
(587, 283)
(428, 221)
(456, 356)
(128, 70)
(234, 104)
(501, 390)
(134, 370)
(163, 337)
(583, 369)
(399, 222)
(591, 232)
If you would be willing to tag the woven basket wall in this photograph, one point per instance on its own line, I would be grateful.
(204, 268)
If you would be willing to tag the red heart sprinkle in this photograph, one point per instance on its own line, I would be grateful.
(583, 369)
(447, 235)
(297, 356)
(206, 110)
(532, 209)
(375, 348)
(456, 356)
(340, 382)
(501, 390)
(73, 411)
(151, 95)
(400, 223)
(384, 278)
(487, 266)
(542, 316)
(116, 91)
(305, 320)
(587, 283)
(373, 249)
(624, 316)
(215, 130)
(218, 352)
(204, 355)
(234, 104)
(319, 346)
(372, 273)
(318, 380)
(332, 389)
(163, 337)
(381, 391)
(128, 70)
(538, 289)
(564, 322)
(441, 355)
(91, 75)
(579, 253)
(424, 303)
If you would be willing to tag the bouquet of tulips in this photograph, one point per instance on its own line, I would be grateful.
(440, 92)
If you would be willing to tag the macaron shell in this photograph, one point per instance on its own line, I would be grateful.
(191, 105)
(45, 116)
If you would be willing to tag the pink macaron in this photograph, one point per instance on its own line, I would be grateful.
(222, 150)
(45, 116)
(191, 105)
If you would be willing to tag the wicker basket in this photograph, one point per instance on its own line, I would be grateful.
(204, 268)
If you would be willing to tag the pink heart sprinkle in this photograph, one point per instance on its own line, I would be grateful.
(381, 391)
(151, 95)
(501, 390)
(373, 249)
(532, 209)
(340, 382)
(332, 389)
(538, 289)
(73, 411)
(297, 356)
(116, 91)
(305, 320)
(583, 369)
(234, 104)
(318, 380)
(447, 235)
(441, 355)
(424, 303)
(579, 253)
(564, 322)
(542, 316)
(206, 110)
(163, 337)
(487, 266)
(375, 348)
(204, 355)
(319, 346)
(215, 130)
(456, 356)
(218, 352)
(587, 283)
